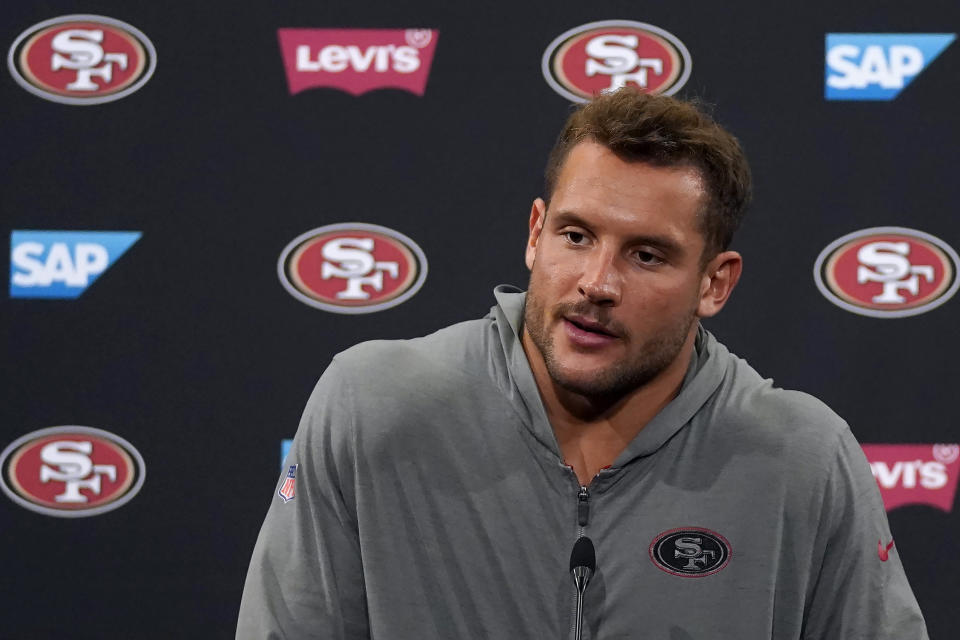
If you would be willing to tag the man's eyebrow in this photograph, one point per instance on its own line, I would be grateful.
(666, 243)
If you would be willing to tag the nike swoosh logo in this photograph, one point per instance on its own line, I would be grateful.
(884, 552)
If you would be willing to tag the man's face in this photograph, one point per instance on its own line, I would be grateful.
(615, 273)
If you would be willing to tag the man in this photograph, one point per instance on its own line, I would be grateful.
(436, 486)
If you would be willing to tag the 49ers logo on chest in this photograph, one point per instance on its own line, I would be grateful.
(71, 471)
(352, 268)
(887, 272)
(82, 59)
(606, 55)
(690, 552)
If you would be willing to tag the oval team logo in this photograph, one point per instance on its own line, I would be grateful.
(690, 552)
(607, 55)
(352, 268)
(71, 471)
(887, 272)
(82, 59)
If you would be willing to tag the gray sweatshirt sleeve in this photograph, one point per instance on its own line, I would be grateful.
(306, 578)
(857, 594)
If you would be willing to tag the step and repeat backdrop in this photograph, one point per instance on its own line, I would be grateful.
(206, 201)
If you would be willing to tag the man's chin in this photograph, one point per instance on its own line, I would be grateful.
(589, 383)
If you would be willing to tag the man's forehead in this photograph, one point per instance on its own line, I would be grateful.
(590, 166)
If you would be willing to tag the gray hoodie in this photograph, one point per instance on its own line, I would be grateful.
(425, 497)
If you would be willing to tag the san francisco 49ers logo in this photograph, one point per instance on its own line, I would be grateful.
(82, 59)
(352, 268)
(690, 552)
(887, 272)
(604, 56)
(71, 472)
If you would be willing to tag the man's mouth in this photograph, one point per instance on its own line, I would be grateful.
(589, 325)
(586, 333)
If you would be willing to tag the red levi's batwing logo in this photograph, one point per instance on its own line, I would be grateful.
(358, 60)
(915, 473)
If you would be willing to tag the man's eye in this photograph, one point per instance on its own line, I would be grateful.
(574, 238)
(647, 258)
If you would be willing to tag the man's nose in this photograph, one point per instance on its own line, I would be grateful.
(600, 281)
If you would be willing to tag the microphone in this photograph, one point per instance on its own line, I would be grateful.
(583, 564)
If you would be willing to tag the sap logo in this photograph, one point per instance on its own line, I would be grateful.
(62, 264)
(877, 66)
(285, 446)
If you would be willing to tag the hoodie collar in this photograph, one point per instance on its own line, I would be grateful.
(707, 369)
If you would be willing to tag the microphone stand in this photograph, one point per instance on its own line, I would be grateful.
(583, 563)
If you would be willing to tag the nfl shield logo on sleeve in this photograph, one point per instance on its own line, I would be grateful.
(287, 489)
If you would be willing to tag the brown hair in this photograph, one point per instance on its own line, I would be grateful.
(665, 131)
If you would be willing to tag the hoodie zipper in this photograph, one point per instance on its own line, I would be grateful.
(583, 509)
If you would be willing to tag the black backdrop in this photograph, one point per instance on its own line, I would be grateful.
(191, 349)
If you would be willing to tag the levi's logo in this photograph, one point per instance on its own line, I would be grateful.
(915, 473)
(357, 60)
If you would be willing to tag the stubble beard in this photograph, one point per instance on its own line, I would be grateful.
(620, 377)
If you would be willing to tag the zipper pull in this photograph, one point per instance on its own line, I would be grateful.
(583, 506)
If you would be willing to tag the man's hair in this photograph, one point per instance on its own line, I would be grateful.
(665, 131)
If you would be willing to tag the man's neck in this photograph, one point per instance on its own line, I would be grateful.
(592, 432)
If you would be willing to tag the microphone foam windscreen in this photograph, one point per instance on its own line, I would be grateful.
(583, 554)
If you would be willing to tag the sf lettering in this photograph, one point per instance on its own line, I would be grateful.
(616, 56)
(352, 259)
(688, 548)
(69, 462)
(80, 50)
(887, 263)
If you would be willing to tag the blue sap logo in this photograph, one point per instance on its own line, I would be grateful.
(877, 66)
(62, 264)
(284, 450)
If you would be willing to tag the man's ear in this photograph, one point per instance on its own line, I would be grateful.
(538, 213)
(718, 281)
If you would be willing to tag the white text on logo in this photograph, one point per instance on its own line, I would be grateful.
(335, 58)
(887, 263)
(351, 259)
(886, 69)
(88, 259)
(616, 56)
(930, 475)
(84, 53)
(69, 462)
